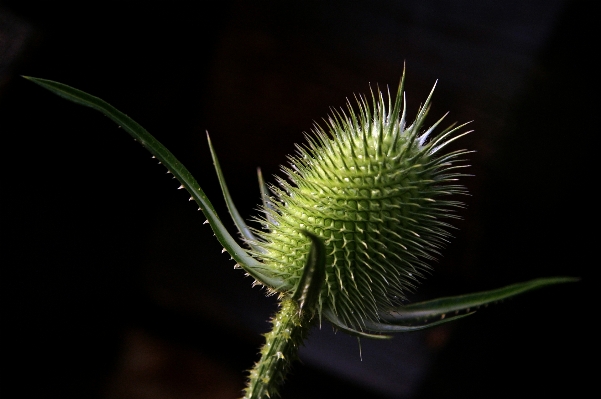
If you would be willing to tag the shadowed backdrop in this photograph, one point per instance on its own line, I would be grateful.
(112, 288)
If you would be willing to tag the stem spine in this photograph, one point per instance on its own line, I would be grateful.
(290, 328)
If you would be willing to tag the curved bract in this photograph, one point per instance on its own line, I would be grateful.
(351, 231)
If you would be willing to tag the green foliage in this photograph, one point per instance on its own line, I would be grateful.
(351, 231)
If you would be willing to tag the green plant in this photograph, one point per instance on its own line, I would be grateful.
(350, 233)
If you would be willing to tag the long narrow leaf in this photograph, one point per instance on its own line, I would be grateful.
(437, 308)
(238, 221)
(265, 196)
(249, 264)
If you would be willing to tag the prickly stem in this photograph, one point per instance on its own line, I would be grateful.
(289, 330)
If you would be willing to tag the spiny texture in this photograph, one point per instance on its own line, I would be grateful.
(375, 190)
(281, 348)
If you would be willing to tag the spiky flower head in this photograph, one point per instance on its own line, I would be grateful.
(376, 190)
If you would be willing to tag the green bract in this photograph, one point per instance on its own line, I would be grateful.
(349, 233)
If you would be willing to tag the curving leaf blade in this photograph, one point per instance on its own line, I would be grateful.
(248, 263)
(265, 196)
(438, 308)
(314, 273)
(238, 221)
(338, 323)
(387, 327)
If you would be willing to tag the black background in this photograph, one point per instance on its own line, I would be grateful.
(101, 252)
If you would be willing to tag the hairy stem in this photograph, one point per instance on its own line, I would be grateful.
(290, 328)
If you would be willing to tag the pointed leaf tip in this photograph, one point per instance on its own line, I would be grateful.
(436, 308)
(243, 229)
(164, 156)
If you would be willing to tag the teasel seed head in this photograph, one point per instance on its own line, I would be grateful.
(379, 192)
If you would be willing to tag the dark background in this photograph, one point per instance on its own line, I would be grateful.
(112, 288)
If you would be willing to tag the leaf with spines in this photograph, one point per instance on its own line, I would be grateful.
(179, 171)
(436, 309)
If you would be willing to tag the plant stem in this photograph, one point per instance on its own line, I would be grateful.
(289, 330)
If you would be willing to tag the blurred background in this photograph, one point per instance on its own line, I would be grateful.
(111, 286)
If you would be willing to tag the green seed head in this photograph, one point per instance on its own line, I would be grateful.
(376, 191)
